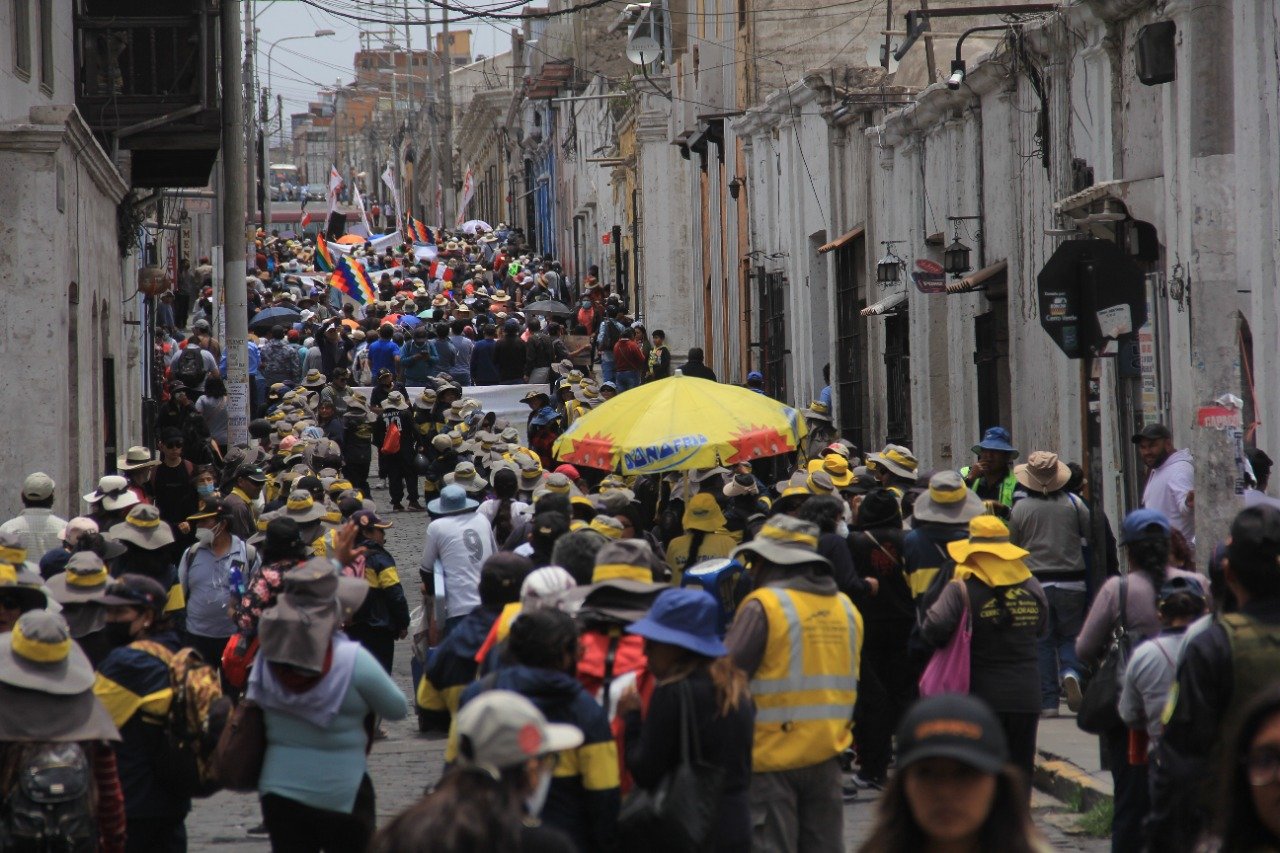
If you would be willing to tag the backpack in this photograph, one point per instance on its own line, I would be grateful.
(189, 368)
(363, 373)
(197, 714)
(612, 333)
(279, 361)
(50, 807)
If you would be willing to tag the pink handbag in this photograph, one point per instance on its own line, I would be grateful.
(948, 669)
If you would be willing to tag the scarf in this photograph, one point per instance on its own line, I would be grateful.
(992, 570)
(317, 704)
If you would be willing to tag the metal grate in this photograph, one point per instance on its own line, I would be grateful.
(849, 369)
(773, 328)
(897, 377)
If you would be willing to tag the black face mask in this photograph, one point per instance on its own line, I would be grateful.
(118, 633)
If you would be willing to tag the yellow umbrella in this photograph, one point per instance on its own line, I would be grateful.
(680, 423)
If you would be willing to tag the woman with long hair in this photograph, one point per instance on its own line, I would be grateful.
(1145, 536)
(504, 510)
(691, 668)
(212, 406)
(955, 789)
(1249, 806)
(490, 800)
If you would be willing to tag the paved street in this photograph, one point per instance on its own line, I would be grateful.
(406, 762)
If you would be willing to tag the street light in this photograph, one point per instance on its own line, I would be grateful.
(318, 34)
(889, 269)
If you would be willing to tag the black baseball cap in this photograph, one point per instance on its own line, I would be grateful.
(251, 472)
(136, 591)
(1255, 536)
(1152, 431)
(956, 726)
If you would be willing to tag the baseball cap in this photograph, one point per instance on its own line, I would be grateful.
(501, 729)
(1182, 584)
(956, 726)
(755, 376)
(367, 518)
(136, 591)
(251, 472)
(1152, 431)
(37, 486)
(1138, 525)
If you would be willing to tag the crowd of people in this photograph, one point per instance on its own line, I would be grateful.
(712, 659)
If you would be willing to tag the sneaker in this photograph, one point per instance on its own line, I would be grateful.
(848, 790)
(397, 508)
(260, 829)
(416, 508)
(1075, 695)
(866, 783)
(1048, 713)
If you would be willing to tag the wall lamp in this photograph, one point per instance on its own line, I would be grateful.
(955, 258)
(890, 267)
(957, 64)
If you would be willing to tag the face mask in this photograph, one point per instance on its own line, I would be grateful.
(206, 490)
(119, 633)
(842, 530)
(204, 535)
(538, 798)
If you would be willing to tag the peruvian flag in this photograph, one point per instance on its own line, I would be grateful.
(306, 214)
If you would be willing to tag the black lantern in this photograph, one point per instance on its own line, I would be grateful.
(889, 269)
(955, 259)
(735, 188)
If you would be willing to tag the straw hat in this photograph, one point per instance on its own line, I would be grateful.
(136, 458)
(1042, 472)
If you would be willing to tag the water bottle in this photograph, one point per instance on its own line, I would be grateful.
(236, 579)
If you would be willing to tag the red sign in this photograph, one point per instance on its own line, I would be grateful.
(604, 238)
(1218, 417)
(173, 264)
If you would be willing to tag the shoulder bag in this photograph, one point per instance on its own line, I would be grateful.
(237, 759)
(948, 668)
(678, 814)
(1100, 707)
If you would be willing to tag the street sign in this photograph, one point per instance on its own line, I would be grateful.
(1091, 293)
(929, 276)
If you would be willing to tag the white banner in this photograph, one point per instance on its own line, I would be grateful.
(380, 244)
(468, 192)
(502, 400)
(389, 178)
(364, 215)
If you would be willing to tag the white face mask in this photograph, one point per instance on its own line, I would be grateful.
(204, 535)
(842, 530)
(538, 798)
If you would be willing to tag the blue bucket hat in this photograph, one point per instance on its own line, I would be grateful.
(453, 499)
(996, 438)
(683, 617)
(1137, 526)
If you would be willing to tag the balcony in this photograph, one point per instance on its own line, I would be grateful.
(147, 83)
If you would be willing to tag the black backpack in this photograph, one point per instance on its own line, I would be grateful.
(50, 807)
(189, 368)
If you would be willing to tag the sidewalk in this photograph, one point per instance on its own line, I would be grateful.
(1069, 763)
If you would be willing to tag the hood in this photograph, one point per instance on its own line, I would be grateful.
(551, 691)
(469, 635)
(1183, 455)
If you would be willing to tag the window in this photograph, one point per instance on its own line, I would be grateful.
(22, 38)
(46, 45)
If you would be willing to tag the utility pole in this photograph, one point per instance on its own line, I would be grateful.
(235, 343)
(250, 101)
(447, 148)
(1213, 270)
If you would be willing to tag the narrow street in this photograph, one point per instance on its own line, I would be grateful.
(404, 764)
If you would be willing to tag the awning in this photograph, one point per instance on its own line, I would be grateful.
(844, 238)
(977, 280)
(886, 305)
(1143, 198)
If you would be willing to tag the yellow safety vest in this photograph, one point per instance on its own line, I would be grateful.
(807, 683)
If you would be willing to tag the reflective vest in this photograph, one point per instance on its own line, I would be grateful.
(1007, 486)
(807, 684)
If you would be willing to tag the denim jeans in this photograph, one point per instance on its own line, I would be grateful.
(627, 379)
(1056, 651)
(606, 367)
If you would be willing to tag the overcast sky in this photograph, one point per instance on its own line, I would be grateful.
(301, 66)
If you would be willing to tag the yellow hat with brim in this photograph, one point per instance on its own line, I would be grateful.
(987, 535)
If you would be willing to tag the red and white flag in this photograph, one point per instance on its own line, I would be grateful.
(468, 192)
(335, 186)
(439, 205)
